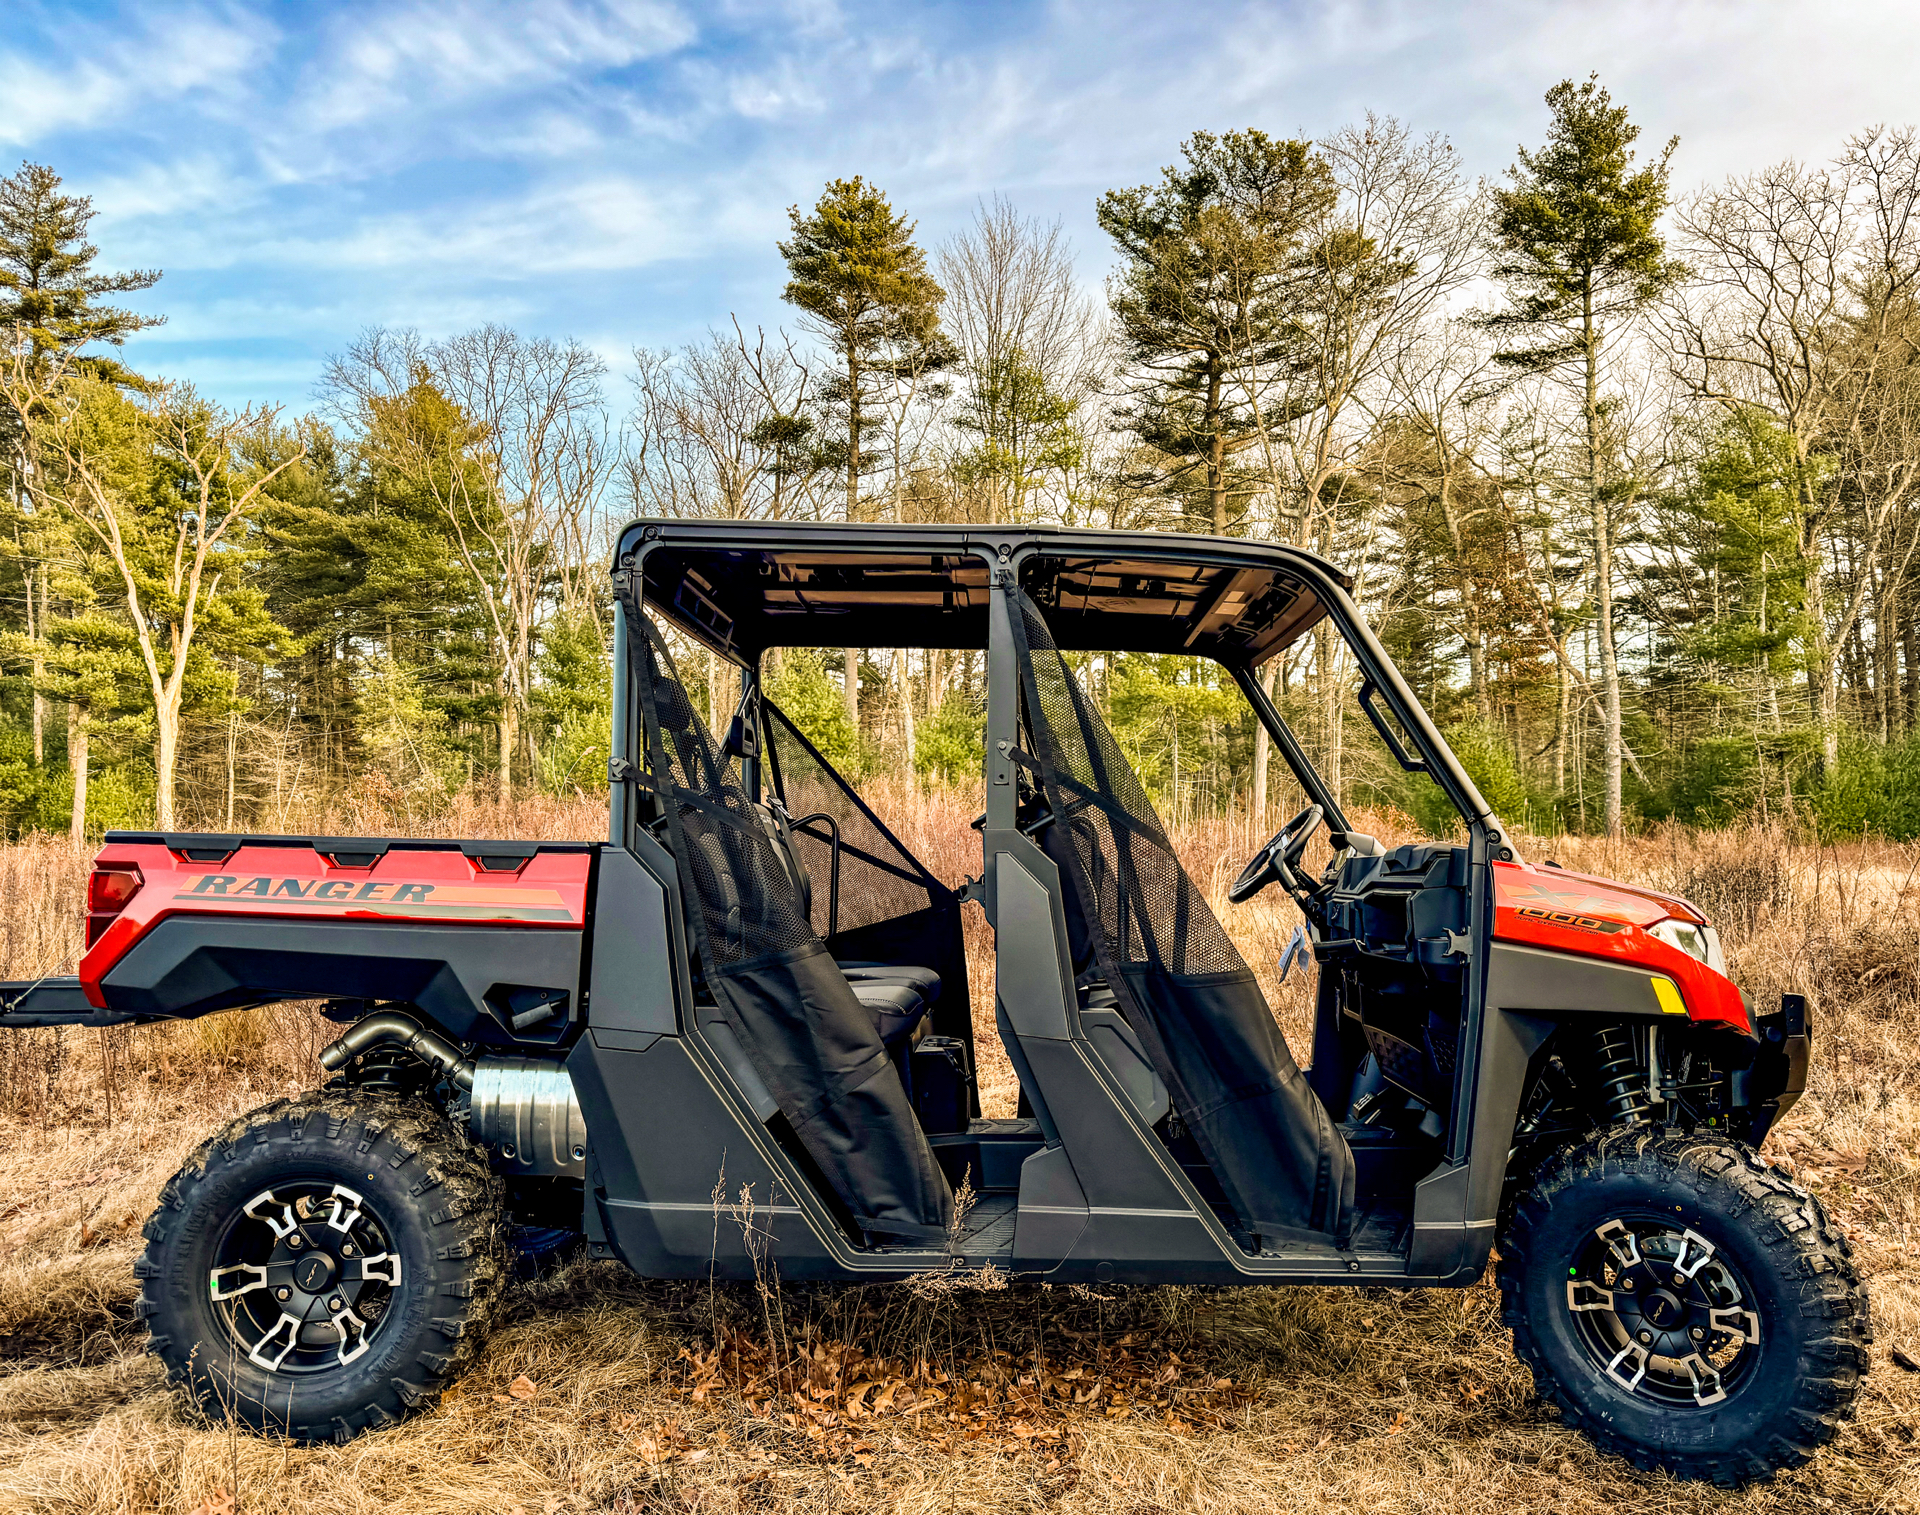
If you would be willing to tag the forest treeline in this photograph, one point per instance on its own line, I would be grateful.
(1625, 474)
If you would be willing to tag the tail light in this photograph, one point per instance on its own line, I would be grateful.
(108, 891)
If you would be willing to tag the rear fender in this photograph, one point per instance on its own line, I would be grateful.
(459, 977)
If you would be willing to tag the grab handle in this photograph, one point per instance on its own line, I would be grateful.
(1387, 734)
(833, 867)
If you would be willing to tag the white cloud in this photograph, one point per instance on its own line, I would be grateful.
(112, 75)
(168, 188)
(604, 223)
(428, 54)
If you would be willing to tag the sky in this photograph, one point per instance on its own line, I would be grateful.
(619, 171)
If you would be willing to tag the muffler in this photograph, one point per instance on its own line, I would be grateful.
(524, 1109)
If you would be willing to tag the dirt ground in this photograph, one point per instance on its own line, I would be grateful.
(601, 1392)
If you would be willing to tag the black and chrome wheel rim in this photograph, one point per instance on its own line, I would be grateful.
(1664, 1314)
(305, 1277)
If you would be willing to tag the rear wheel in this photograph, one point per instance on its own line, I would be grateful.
(1685, 1305)
(324, 1265)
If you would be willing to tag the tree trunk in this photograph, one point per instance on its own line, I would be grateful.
(233, 744)
(166, 757)
(1262, 743)
(1216, 450)
(1561, 733)
(906, 706)
(1333, 759)
(508, 727)
(77, 763)
(1603, 581)
(1477, 668)
(37, 630)
(853, 432)
(1880, 656)
(1910, 652)
(1828, 714)
(1822, 663)
(850, 693)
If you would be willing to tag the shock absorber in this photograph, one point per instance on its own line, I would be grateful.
(1623, 1087)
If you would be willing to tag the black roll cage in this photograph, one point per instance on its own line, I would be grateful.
(1005, 551)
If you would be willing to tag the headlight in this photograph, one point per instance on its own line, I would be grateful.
(1701, 943)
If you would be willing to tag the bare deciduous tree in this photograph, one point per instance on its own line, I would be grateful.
(166, 485)
(517, 470)
(1803, 307)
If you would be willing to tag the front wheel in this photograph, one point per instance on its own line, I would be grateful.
(1685, 1305)
(324, 1265)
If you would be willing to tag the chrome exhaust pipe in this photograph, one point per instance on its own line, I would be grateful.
(389, 1028)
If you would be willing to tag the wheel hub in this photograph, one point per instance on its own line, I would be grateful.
(1661, 1312)
(314, 1272)
(304, 1277)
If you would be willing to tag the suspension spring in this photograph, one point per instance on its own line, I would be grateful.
(1623, 1085)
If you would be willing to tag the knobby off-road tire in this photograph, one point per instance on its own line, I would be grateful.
(323, 1266)
(1748, 1273)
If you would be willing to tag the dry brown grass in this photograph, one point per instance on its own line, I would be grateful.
(603, 1392)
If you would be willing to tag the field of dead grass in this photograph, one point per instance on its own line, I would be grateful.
(602, 1392)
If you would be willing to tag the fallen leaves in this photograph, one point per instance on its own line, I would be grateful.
(519, 1391)
(827, 1394)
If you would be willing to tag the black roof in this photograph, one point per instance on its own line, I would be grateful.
(741, 587)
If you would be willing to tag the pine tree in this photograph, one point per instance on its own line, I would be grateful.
(863, 285)
(48, 290)
(1215, 262)
(51, 308)
(360, 569)
(1581, 253)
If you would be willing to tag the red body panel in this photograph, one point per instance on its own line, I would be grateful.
(1594, 917)
(549, 891)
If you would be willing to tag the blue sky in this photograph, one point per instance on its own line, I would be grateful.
(619, 170)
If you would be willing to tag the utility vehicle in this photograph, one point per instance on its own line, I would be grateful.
(752, 985)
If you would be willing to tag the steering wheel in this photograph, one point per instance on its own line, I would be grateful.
(1277, 859)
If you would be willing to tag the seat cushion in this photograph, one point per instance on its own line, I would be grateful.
(923, 981)
(897, 1011)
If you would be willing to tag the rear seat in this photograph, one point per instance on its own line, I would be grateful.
(896, 997)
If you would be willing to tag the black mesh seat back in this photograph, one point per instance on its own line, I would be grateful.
(1180, 982)
(892, 910)
(780, 835)
(772, 980)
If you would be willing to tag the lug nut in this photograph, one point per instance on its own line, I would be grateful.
(283, 1293)
(1626, 1283)
(336, 1303)
(1679, 1280)
(347, 1250)
(293, 1241)
(1646, 1338)
(1697, 1334)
